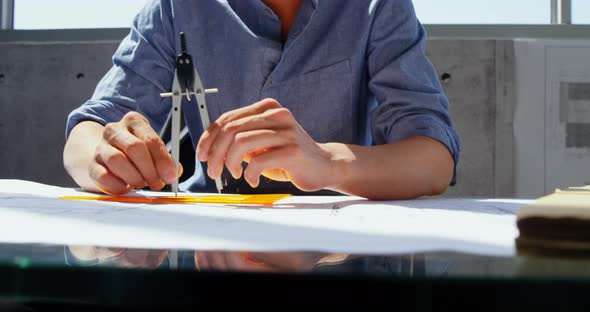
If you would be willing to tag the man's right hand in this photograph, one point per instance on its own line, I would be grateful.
(125, 155)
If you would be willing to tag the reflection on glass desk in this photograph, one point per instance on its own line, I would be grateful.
(86, 278)
(373, 254)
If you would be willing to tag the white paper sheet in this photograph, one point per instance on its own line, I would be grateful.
(32, 213)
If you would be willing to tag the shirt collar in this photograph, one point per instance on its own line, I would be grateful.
(251, 11)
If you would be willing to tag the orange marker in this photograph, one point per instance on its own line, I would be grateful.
(254, 199)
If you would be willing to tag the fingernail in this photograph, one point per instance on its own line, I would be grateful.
(102, 189)
(255, 184)
(161, 185)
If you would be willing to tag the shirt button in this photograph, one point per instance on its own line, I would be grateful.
(268, 12)
(270, 82)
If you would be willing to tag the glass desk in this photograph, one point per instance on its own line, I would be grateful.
(86, 278)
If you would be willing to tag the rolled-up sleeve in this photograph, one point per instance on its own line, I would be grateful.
(410, 99)
(143, 67)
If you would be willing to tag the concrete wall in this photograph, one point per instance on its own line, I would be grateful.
(477, 78)
(40, 83)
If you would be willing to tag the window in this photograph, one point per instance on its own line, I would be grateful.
(581, 12)
(66, 14)
(485, 11)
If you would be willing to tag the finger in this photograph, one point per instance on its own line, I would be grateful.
(238, 261)
(156, 258)
(248, 143)
(273, 174)
(136, 151)
(210, 135)
(113, 251)
(269, 119)
(201, 261)
(106, 181)
(145, 258)
(136, 257)
(273, 159)
(117, 163)
(207, 138)
(217, 261)
(262, 258)
(249, 258)
(277, 175)
(253, 264)
(165, 167)
(289, 261)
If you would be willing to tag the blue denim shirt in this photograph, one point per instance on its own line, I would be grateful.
(350, 71)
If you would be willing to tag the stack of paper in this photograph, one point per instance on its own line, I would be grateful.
(556, 224)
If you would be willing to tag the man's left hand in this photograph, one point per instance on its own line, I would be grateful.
(267, 137)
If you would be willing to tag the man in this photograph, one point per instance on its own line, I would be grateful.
(319, 94)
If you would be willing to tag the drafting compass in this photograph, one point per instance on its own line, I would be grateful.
(187, 83)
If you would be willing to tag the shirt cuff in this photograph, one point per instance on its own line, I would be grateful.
(96, 111)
